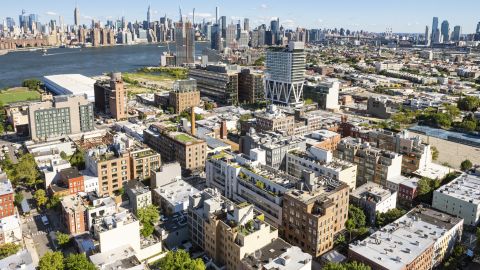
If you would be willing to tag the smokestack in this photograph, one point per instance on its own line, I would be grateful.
(193, 129)
(223, 130)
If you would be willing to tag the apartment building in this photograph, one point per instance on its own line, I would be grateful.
(275, 120)
(111, 97)
(225, 231)
(139, 195)
(61, 116)
(117, 230)
(189, 151)
(143, 160)
(322, 163)
(419, 240)
(315, 213)
(74, 214)
(184, 95)
(373, 198)
(373, 164)
(324, 139)
(251, 87)
(6, 199)
(217, 82)
(461, 198)
(112, 167)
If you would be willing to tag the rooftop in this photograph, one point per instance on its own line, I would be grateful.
(20, 260)
(371, 192)
(465, 187)
(177, 191)
(6, 187)
(120, 258)
(75, 84)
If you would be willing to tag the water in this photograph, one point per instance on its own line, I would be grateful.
(18, 66)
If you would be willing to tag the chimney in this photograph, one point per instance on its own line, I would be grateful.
(223, 130)
(344, 118)
(193, 129)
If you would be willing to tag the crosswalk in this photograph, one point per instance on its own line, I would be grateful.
(48, 230)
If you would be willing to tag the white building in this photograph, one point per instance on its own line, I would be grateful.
(139, 195)
(173, 197)
(70, 84)
(123, 257)
(461, 198)
(118, 230)
(373, 198)
(10, 230)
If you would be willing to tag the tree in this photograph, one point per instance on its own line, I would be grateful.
(468, 125)
(63, 155)
(424, 186)
(51, 261)
(78, 262)
(179, 260)
(353, 265)
(350, 226)
(54, 201)
(40, 197)
(340, 239)
(26, 170)
(8, 250)
(308, 101)
(357, 215)
(468, 103)
(452, 110)
(18, 198)
(63, 239)
(391, 215)
(32, 84)
(466, 165)
(148, 216)
(78, 159)
(435, 152)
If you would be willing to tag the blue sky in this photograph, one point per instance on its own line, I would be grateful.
(371, 15)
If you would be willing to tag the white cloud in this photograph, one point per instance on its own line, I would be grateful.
(263, 6)
(201, 15)
(87, 17)
(51, 13)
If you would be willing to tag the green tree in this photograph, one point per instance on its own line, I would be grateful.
(51, 261)
(468, 103)
(466, 165)
(180, 259)
(54, 201)
(346, 266)
(435, 152)
(40, 197)
(63, 155)
(18, 198)
(391, 215)
(78, 159)
(63, 239)
(78, 262)
(8, 250)
(452, 110)
(148, 216)
(357, 215)
(340, 239)
(424, 186)
(468, 125)
(308, 101)
(32, 84)
(26, 170)
(350, 226)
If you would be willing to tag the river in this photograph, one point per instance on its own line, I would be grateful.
(20, 65)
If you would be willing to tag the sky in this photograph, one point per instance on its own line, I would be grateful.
(403, 16)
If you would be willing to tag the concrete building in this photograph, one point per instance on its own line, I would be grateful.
(173, 197)
(139, 195)
(74, 211)
(62, 116)
(322, 163)
(189, 151)
(111, 97)
(124, 257)
(373, 198)
(184, 95)
(275, 120)
(11, 230)
(461, 198)
(277, 255)
(373, 164)
(20, 260)
(285, 71)
(326, 94)
(314, 214)
(143, 160)
(118, 230)
(6, 199)
(218, 82)
(70, 84)
(420, 239)
(251, 88)
(378, 107)
(225, 231)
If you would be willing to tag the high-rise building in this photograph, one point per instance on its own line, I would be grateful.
(246, 24)
(231, 36)
(435, 38)
(76, 16)
(185, 43)
(427, 36)
(445, 31)
(61, 116)
(149, 14)
(285, 70)
(216, 38)
(457, 32)
(251, 88)
(223, 24)
(218, 82)
(184, 95)
(10, 22)
(111, 97)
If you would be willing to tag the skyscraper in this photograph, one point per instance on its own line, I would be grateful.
(185, 43)
(285, 74)
(231, 36)
(149, 16)
(427, 36)
(445, 31)
(76, 16)
(223, 24)
(457, 32)
(216, 38)
(435, 38)
(246, 24)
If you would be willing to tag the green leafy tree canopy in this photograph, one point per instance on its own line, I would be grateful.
(179, 260)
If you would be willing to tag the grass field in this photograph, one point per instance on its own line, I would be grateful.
(18, 94)
(153, 76)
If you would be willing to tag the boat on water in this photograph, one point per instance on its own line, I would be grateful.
(45, 52)
(3, 52)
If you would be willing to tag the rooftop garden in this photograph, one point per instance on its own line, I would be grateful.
(184, 138)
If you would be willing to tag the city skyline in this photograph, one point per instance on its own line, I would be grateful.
(373, 16)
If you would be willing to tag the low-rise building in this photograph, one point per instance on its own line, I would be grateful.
(184, 95)
(20, 260)
(173, 197)
(6, 199)
(373, 198)
(117, 230)
(10, 230)
(460, 197)
(225, 231)
(275, 120)
(74, 211)
(143, 160)
(139, 195)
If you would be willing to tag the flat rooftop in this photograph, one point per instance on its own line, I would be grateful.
(6, 187)
(70, 84)
(120, 258)
(177, 191)
(371, 191)
(466, 187)
(433, 171)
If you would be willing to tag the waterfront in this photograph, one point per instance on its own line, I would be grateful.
(20, 65)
